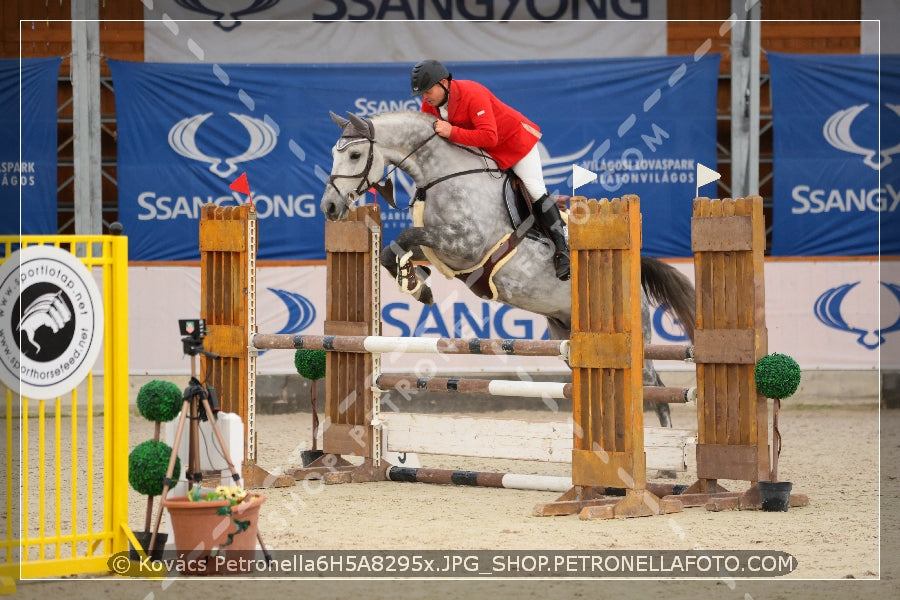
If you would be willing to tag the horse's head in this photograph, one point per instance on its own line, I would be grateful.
(357, 166)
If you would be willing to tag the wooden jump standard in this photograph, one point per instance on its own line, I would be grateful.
(608, 454)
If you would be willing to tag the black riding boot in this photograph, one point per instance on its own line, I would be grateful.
(547, 213)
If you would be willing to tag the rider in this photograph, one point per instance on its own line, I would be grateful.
(469, 114)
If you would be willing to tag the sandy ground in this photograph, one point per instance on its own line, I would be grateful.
(844, 545)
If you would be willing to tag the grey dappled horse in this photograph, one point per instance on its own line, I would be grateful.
(464, 218)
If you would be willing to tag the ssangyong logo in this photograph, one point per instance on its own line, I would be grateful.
(226, 21)
(828, 311)
(301, 312)
(837, 133)
(51, 322)
(183, 140)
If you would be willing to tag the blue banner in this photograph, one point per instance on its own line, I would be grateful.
(186, 131)
(34, 172)
(836, 188)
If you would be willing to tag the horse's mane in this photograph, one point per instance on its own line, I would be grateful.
(426, 122)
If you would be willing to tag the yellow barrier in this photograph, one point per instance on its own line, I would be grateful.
(66, 466)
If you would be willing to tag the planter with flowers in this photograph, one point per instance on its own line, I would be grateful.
(777, 377)
(158, 401)
(219, 523)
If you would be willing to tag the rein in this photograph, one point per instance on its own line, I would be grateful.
(384, 185)
(387, 187)
(420, 191)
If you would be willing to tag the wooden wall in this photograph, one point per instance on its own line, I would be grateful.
(814, 27)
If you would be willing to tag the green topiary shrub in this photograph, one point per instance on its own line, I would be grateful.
(777, 376)
(147, 467)
(310, 363)
(159, 401)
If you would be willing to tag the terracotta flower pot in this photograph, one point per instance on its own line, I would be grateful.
(198, 529)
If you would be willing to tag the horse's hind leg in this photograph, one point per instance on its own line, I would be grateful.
(409, 277)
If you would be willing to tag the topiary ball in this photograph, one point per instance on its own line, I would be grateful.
(310, 363)
(777, 376)
(159, 400)
(147, 467)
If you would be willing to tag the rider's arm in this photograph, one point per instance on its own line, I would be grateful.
(474, 121)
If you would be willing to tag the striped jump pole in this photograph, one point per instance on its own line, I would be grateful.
(417, 345)
(507, 387)
(546, 483)
(387, 344)
(513, 481)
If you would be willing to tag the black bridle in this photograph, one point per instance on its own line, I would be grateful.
(363, 175)
(384, 185)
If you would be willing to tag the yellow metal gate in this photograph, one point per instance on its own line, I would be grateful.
(66, 459)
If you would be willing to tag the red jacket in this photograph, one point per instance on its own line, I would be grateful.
(483, 121)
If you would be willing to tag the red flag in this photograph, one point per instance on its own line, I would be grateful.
(242, 186)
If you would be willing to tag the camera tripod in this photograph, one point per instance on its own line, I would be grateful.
(195, 399)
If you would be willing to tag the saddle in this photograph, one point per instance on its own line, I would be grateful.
(519, 207)
(479, 278)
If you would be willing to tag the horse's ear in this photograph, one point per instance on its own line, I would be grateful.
(363, 126)
(341, 121)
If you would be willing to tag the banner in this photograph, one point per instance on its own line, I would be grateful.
(377, 31)
(837, 191)
(34, 170)
(186, 131)
(825, 314)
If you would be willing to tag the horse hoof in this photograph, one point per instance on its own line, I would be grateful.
(426, 296)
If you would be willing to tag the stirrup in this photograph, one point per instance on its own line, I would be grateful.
(562, 265)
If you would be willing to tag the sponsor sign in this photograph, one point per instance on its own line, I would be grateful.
(829, 315)
(187, 131)
(836, 154)
(331, 31)
(51, 322)
(28, 170)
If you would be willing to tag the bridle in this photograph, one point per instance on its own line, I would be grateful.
(384, 185)
(364, 183)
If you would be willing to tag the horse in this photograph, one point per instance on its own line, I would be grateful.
(461, 223)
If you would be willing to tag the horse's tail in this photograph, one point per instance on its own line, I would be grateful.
(666, 285)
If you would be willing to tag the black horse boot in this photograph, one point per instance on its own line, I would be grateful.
(547, 213)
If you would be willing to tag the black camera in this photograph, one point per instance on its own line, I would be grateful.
(192, 331)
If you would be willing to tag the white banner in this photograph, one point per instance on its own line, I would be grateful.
(378, 31)
(830, 315)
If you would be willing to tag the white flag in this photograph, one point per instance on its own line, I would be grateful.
(581, 176)
(706, 175)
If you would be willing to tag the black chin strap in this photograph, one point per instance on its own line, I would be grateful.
(446, 93)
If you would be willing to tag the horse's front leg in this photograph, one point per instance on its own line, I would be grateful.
(411, 278)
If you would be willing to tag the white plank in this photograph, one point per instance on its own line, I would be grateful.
(666, 448)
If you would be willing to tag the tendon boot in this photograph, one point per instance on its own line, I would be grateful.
(547, 213)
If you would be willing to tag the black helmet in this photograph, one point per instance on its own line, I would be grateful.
(425, 74)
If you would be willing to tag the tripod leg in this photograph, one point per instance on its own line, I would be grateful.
(194, 471)
(169, 471)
